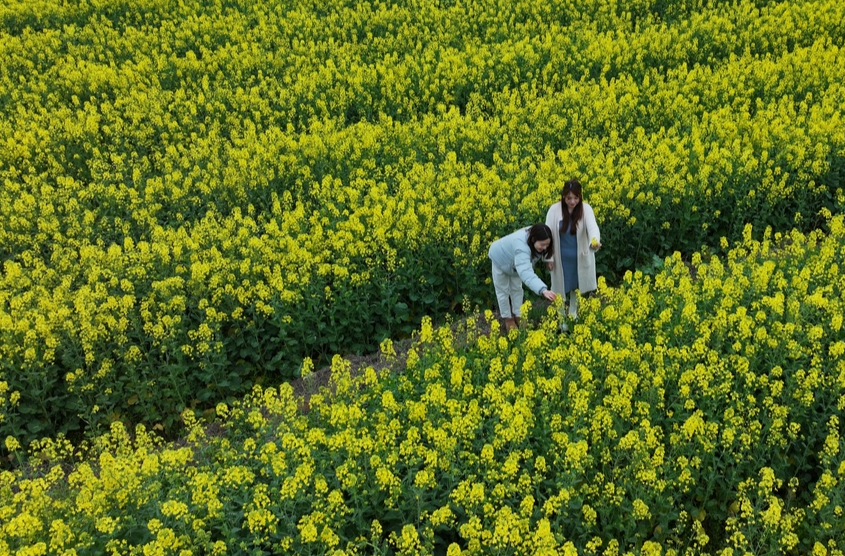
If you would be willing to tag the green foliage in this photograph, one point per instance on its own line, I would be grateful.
(197, 195)
(682, 415)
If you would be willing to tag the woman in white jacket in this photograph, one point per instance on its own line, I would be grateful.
(513, 259)
(574, 245)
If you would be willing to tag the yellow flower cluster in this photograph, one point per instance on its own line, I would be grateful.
(698, 410)
(196, 197)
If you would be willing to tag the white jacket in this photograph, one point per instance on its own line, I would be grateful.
(587, 230)
(512, 255)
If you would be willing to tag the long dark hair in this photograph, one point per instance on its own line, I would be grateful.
(539, 232)
(572, 186)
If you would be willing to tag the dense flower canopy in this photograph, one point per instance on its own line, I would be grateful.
(200, 200)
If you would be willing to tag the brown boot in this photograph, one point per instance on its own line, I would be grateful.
(510, 324)
(516, 320)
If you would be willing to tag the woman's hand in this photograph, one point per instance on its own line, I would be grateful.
(595, 245)
(550, 265)
(549, 294)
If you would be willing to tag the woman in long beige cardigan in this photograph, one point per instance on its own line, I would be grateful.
(575, 240)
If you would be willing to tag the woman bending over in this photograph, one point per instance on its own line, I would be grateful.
(513, 259)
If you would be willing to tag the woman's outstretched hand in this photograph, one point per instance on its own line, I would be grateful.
(549, 294)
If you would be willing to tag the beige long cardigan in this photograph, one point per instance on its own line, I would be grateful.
(586, 230)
